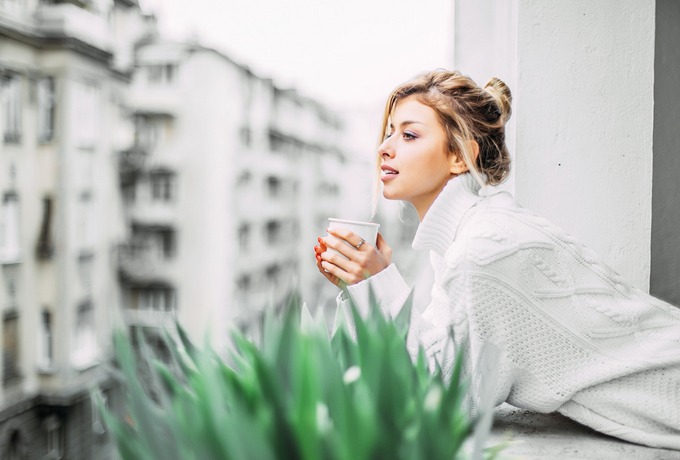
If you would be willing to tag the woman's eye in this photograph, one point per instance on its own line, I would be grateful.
(409, 136)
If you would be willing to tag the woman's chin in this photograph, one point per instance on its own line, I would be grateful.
(392, 196)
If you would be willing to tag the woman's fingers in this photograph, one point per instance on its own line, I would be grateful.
(383, 248)
(340, 246)
(344, 264)
(357, 265)
(329, 276)
(342, 276)
(342, 233)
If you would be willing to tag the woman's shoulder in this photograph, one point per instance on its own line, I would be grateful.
(498, 227)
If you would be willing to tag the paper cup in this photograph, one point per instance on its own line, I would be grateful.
(366, 230)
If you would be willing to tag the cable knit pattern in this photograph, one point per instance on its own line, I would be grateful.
(568, 334)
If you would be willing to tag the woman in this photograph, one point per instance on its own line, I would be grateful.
(566, 333)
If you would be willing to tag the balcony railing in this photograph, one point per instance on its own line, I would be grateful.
(132, 160)
(154, 100)
(149, 318)
(68, 19)
(144, 262)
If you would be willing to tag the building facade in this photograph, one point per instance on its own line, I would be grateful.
(62, 124)
(141, 182)
(228, 185)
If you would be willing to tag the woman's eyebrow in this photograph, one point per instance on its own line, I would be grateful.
(407, 122)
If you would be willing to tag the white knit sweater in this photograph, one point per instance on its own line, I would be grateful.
(562, 330)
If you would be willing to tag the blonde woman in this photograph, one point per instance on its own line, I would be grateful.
(566, 333)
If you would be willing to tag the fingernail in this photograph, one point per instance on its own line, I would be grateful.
(315, 248)
(319, 240)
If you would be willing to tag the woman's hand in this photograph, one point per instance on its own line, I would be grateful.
(363, 262)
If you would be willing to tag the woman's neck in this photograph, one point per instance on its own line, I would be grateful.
(424, 203)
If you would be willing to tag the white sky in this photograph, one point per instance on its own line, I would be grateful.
(347, 54)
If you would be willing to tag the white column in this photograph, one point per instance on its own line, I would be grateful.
(582, 77)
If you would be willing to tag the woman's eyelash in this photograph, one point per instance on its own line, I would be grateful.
(407, 136)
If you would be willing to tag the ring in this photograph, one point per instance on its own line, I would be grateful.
(360, 243)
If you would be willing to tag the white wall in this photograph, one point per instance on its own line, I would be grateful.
(582, 76)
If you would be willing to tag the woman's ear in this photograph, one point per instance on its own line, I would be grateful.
(458, 165)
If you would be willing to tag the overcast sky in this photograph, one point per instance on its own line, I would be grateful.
(348, 53)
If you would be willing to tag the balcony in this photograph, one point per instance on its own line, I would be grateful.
(69, 20)
(145, 262)
(132, 160)
(154, 100)
(152, 212)
(149, 318)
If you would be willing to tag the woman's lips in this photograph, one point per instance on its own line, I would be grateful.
(388, 173)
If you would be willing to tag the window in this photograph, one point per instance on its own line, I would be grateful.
(14, 447)
(54, 441)
(45, 345)
(86, 120)
(129, 192)
(273, 274)
(11, 108)
(244, 283)
(161, 73)
(10, 247)
(326, 188)
(162, 186)
(167, 238)
(156, 242)
(153, 298)
(274, 186)
(170, 72)
(10, 348)
(45, 246)
(246, 136)
(244, 179)
(85, 269)
(11, 277)
(155, 73)
(273, 231)
(85, 340)
(86, 222)
(45, 109)
(243, 235)
(149, 131)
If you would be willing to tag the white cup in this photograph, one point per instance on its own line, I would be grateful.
(366, 230)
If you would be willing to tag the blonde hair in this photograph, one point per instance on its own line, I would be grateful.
(467, 112)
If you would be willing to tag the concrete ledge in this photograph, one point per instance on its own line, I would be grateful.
(534, 436)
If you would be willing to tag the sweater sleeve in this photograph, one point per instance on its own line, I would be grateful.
(391, 293)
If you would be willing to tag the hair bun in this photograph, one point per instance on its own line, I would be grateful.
(501, 94)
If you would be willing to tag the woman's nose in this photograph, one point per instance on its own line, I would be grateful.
(385, 150)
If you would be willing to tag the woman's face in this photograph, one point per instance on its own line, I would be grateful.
(415, 166)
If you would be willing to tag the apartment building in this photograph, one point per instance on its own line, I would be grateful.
(229, 183)
(62, 124)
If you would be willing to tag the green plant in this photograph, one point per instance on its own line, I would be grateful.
(300, 395)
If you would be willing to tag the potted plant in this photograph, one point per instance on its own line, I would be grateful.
(300, 394)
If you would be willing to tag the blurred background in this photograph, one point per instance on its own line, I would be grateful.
(165, 159)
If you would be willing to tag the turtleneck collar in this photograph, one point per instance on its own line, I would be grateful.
(440, 224)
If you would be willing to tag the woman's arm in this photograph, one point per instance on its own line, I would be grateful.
(369, 269)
